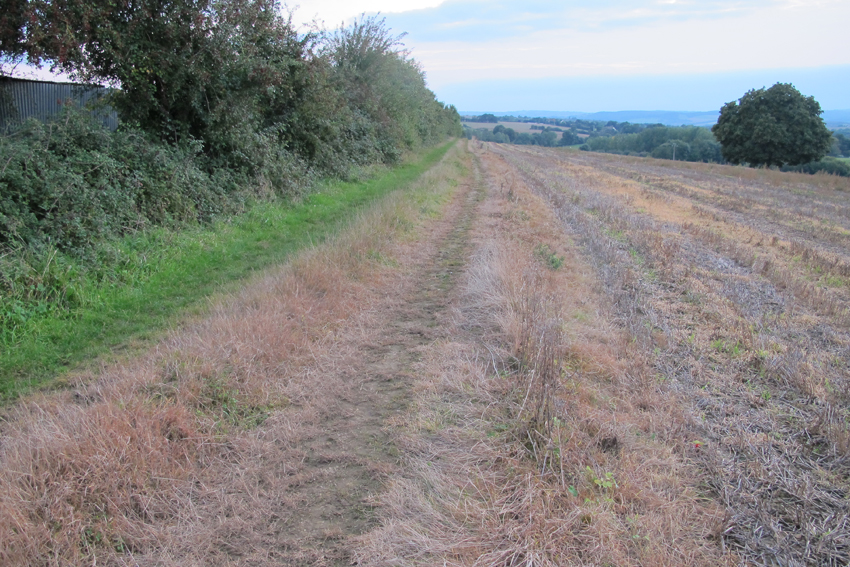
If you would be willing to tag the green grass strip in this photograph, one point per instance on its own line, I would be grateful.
(196, 264)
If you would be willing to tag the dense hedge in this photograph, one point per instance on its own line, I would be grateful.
(272, 119)
(248, 110)
(828, 165)
(72, 183)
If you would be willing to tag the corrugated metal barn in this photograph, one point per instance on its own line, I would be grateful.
(24, 98)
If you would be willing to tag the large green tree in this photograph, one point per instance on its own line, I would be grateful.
(235, 79)
(772, 127)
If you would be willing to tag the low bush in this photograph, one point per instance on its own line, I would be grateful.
(71, 183)
(828, 165)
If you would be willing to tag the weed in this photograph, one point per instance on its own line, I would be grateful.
(548, 256)
(604, 482)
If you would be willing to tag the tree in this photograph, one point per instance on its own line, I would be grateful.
(184, 67)
(673, 149)
(843, 145)
(569, 138)
(12, 26)
(772, 127)
(547, 139)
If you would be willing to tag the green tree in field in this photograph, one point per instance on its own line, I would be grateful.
(772, 127)
(547, 139)
(569, 138)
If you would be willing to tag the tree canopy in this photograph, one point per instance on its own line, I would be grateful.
(772, 127)
(227, 89)
(237, 76)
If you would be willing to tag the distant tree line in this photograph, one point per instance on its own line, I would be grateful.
(548, 137)
(680, 143)
(574, 125)
(485, 118)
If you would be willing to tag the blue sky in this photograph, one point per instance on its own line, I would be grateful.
(607, 55)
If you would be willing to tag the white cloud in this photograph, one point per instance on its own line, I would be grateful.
(779, 35)
(335, 12)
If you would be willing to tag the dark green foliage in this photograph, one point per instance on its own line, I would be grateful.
(841, 145)
(221, 103)
(827, 165)
(207, 69)
(683, 143)
(487, 118)
(220, 100)
(385, 91)
(674, 149)
(772, 127)
(71, 183)
(569, 138)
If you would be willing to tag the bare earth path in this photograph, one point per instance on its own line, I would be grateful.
(346, 459)
(259, 433)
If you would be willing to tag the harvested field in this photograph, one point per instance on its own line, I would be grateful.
(519, 127)
(733, 286)
(535, 357)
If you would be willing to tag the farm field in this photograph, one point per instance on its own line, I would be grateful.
(519, 127)
(531, 356)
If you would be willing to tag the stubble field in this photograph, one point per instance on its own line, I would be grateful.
(533, 357)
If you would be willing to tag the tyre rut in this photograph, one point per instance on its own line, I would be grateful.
(345, 466)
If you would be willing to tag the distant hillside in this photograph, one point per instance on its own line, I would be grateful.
(836, 118)
(833, 118)
(666, 117)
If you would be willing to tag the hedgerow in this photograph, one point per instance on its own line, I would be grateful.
(229, 105)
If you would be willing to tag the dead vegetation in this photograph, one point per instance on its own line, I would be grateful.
(195, 454)
(540, 435)
(749, 329)
(641, 363)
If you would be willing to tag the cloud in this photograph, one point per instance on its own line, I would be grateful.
(752, 39)
(335, 12)
(474, 20)
(465, 42)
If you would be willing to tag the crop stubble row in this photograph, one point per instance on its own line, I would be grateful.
(737, 289)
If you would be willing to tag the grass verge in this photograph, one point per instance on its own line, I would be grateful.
(189, 266)
(193, 449)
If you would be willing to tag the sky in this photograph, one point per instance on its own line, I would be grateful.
(610, 55)
(607, 55)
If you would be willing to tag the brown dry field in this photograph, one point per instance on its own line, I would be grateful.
(532, 357)
(519, 127)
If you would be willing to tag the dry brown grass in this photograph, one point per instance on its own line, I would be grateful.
(161, 459)
(540, 436)
(644, 364)
(749, 329)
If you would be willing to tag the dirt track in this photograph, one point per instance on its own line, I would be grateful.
(352, 451)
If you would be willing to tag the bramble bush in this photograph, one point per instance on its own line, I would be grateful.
(222, 103)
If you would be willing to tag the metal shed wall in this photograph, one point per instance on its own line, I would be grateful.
(22, 98)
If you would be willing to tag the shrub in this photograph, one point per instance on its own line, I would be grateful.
(828, 165)
(71, 183)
